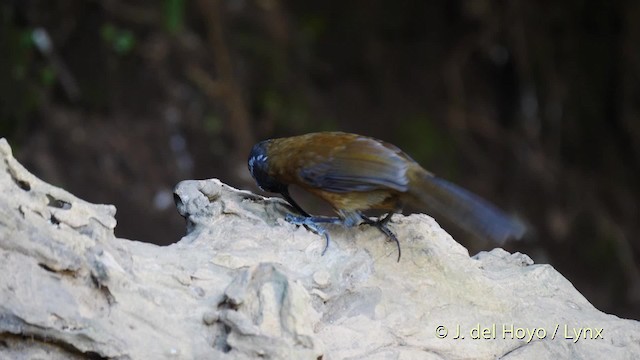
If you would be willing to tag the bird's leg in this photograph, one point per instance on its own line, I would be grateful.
(381, 224)
(287, 196)
(310, 222)
(313, 223)
(346, 218)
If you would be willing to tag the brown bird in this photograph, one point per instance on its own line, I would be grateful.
(355, 173)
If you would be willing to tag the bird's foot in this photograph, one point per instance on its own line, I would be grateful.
(381, 224)
(313, 223)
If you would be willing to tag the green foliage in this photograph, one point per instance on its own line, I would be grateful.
(20, 96)
(47, 76)
(122, 41)
(173, 19)
(312, 27)
(427, 144)
(213, 125)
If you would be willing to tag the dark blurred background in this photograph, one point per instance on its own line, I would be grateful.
(532, 104)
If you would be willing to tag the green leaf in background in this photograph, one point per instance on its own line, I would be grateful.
(122, 41)
(173, 16)
(47, 76)
(427, 144)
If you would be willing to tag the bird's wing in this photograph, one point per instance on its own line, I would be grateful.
(363, 164)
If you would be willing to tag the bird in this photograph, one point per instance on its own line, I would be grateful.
(355, 173)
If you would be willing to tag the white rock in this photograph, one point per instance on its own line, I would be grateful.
(244, 284)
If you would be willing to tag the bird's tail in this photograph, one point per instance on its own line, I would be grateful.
(464, 208)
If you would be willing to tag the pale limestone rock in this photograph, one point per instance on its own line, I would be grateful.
(244, 284)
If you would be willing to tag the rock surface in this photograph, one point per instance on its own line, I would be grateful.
(245, 284)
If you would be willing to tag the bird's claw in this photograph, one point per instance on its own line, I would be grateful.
(385, 230)
(381, 224)
(310, 224)
(313, 224)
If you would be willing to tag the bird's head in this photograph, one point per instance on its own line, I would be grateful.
(259, 168)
